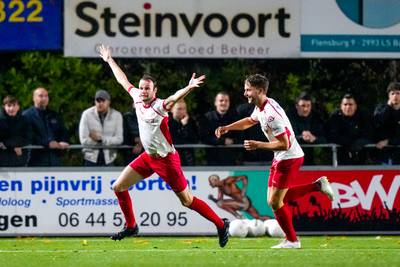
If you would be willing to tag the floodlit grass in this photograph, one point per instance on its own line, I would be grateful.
(199, 251)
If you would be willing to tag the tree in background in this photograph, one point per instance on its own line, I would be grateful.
(72, 82)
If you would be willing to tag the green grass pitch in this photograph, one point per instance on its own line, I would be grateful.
(199, 251)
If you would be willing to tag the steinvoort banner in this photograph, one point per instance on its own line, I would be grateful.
(183, 28)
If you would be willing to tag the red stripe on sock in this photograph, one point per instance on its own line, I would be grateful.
(204, 210)
(299, 191)
(125, 203)
(284, 218)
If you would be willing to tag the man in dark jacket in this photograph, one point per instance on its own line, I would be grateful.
(307, 125)
(387, 126)
(351, 128)
(47, 130)
(253, 157)
(14, 134)
(131, 136)
(222, 115)
(183, 131)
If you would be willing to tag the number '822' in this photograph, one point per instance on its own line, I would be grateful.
(15, 8)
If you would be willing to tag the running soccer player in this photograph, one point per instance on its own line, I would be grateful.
(288, 155)
(160, 155)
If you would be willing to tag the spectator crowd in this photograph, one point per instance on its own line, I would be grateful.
(102, 129)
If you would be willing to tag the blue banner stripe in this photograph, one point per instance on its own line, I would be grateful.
(350, 43)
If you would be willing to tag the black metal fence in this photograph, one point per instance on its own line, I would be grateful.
(331, 148)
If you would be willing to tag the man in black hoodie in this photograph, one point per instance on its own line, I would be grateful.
(183, 131)
(222, 115)
(351, 128)
(307, 125)
(14, 134)
(387, 126)
(131, 136)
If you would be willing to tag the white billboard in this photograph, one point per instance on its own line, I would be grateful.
(350, 28)
(183, 28)
(83, 203)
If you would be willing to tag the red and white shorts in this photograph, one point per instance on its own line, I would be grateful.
(169, 168)
(283, 173)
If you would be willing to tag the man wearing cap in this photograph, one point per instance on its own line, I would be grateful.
(100, 126)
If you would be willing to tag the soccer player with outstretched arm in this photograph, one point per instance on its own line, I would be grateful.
(160, 155)
(288, 155)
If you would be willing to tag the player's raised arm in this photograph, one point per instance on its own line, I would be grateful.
(280, 143)
(105, 54)
(239, 125)
(193, 83)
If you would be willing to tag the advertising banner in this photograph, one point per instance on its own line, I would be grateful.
(30, 25)
(73, 203)
(350, 28)
(83, 203)
(366, 201)
(183, 28)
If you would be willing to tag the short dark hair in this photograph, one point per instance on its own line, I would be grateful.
(10, 100)
(303, 96)
(222, 93)
(393, 86)
(258, 81)
(148, 77)
(349, 96)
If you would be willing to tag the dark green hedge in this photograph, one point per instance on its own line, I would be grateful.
(72, 82)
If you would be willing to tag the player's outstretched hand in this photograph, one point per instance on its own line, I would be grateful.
(196, 82)
(250, 144)
(105, 52)
(220, 131)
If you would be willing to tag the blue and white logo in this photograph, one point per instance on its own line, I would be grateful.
(371, 13)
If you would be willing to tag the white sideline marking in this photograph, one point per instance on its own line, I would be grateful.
(195, 250)
(49, 240)
(107, 239)
(149, 238)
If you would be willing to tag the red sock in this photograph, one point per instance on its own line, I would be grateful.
(299, 191)
(125, 203)
(204, 210)
(284, 218)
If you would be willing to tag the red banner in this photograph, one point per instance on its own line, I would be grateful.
(366, 200)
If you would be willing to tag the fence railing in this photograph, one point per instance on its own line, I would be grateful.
(333, 147)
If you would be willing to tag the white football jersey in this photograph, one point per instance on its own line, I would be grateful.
(153, 125)
(274, 123)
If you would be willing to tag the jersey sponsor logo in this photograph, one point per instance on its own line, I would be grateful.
(151, 121)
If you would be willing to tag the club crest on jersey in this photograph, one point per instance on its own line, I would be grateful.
(270, 118)
(151, 121)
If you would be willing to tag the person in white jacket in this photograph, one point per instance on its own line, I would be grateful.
(101, 126)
